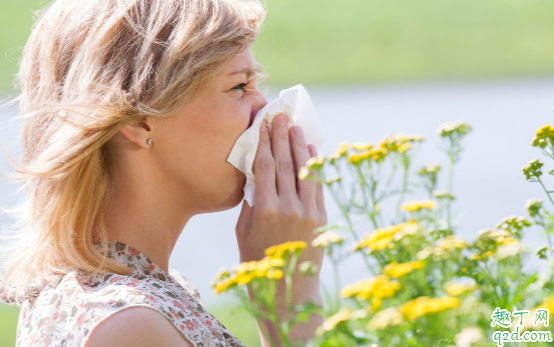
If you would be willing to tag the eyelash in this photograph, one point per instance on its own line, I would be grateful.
(241, 86)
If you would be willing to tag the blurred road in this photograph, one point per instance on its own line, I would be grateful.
(489, 184)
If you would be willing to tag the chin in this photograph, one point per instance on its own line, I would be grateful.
(229, 196)
(223, 202)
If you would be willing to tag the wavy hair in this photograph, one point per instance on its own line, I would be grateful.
(88, 68)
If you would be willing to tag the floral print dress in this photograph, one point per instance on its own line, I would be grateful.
(64, 312)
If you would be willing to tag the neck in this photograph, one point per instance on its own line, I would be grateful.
(144, 212)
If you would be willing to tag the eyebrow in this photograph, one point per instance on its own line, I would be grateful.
(249, 71)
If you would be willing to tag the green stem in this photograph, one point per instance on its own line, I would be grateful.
(336, 275)
(328, 299)
(257, 311)
(404, 189)
(282, 334)
(291, 269)
(351, 227)
(364, 186)
(545, 190)
(450, 190)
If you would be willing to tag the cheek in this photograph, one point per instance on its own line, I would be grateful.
(214, 132)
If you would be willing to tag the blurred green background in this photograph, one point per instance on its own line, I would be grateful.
(351, 42)
(372, 41)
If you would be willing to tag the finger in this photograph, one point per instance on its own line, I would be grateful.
(264, 167)
(319, 198)
(306, 188)
(286, 181)
(244, 221)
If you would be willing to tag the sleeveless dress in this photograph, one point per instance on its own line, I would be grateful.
(65, 311)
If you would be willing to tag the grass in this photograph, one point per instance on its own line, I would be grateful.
(240, 324)
(355, 41)
(361, 41)
(8, 324)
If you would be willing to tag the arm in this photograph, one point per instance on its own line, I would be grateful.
(137, 327)
(287, 209)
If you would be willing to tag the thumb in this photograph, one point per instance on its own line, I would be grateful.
(244, 221)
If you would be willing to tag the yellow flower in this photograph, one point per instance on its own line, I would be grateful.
(547, 303)
(413, 206)
(450, 242)
(248, 271)
(224, 285)
(457, 289)
(389, 143)
(359, 314)
(488, 234)
(506, 240)
(315, 162)
(332, 322)
(400, 143)
(403, 148)
(430, 168)
(459, 128)
(361, 146)
(376, 240)
(543, 135)
(513, 224)
(342, 149)
(418, 307)
(303, 173)
(312, 163)
(308, 268)
(443, 248)
(330, 181)
(223, 273)
(416, 138)
(354, 159)
(325, 239)
(245, 278)
(442, 194)
(376, 289)
(333, 157)
(533, 207)
(381, 238)
(378, 154)
(274, 274)
(387, 317)
(410, 228)
(282, 250)
(398, 270)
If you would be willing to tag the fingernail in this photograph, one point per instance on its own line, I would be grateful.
(281, 119)
(263, 127)
(296, 130)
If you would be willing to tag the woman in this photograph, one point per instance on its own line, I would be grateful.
(132, 107)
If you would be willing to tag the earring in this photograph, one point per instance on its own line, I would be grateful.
(149, 142)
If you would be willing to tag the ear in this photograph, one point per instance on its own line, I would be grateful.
(137, 132)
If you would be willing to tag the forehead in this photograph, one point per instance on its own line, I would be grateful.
(242, 63)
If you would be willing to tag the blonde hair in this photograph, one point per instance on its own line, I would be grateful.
(88, 68)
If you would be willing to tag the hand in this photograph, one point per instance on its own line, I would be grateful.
(286, 209)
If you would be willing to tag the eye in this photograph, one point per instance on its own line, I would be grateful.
(240, 86)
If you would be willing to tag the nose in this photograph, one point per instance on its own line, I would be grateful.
(257, 105)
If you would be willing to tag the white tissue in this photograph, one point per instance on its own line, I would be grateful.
(297, 105)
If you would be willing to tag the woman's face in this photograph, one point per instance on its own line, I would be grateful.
(194, 145)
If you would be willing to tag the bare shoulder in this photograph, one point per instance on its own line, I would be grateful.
(137, 327)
